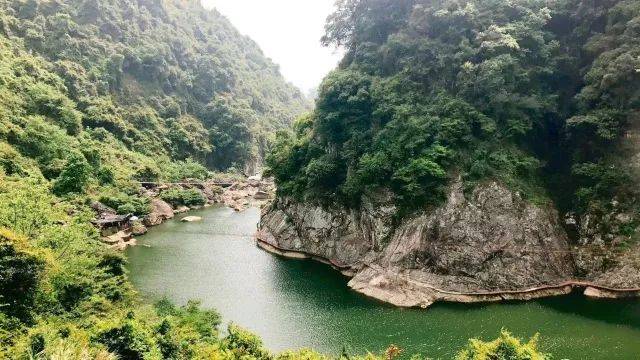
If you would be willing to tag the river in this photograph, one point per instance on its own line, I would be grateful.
(294, 304)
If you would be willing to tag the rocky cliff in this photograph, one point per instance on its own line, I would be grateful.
(489, 245)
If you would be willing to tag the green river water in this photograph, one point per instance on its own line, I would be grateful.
(294, 304)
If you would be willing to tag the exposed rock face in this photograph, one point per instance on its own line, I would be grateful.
(253, 192)
(489, 246)
(160, 212)
(340, 235)
(138, 228)
(181, 210)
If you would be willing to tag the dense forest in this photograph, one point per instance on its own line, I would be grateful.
(167, 80)
(97, 95)
(94, 96)
(543, 96)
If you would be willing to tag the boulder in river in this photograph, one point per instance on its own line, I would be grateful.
(181, 210)
(261, 195)
(138, 228)
(191, 219)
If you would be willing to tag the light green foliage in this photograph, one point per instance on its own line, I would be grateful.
(303, 354)
(506, 347)
(185, 170)
(126, 204)
(522, 92)
(147, 72)
(65, 295)
(95, 95)
(21, 268)
(128, 339)
(183, 197)
(74, 272)
(14, 163)
(245, 345)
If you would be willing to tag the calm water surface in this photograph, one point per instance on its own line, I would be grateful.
(293, 304)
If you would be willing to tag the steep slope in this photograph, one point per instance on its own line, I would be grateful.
(166, 78)
(502, 135)
(95, 97)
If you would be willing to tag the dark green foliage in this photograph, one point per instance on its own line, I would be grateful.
(20, 273)
(228, 122)
(127, 204)
(74, 177)
(526, 92)
(183, 197)
(597, 181)
(126, 340)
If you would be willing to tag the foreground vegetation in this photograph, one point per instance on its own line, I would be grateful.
(64, 295)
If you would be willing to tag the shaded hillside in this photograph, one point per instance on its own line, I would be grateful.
(538, 95)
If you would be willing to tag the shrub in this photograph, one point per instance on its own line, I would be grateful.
(183, 197)
(127, 204)
(149, 173)
(128, 340)
(188, 169)
(244, 344)
(20, 272)
(303, 354)
(505, 347)
(12, 163)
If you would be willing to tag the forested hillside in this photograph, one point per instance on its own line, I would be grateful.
(542, 96)
(99, 95)
(167, 80)
(94, 96)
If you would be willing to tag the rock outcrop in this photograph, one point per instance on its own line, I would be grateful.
(160, 212)
(488, 246)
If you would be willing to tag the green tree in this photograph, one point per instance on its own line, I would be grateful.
(74, 177)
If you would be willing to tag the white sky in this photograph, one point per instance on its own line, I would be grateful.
(288, 31)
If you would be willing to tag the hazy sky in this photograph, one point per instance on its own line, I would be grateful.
(288, 31)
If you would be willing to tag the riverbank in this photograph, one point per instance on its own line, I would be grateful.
(119, 231)
(412, 289)
(487, 246)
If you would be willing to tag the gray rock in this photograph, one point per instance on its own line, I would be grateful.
(160, 212)
(490, 246)
(181, 210)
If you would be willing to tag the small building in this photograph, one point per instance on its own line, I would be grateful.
(112, 224)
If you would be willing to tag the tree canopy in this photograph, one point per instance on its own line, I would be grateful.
(164, 78)
(538, 95)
